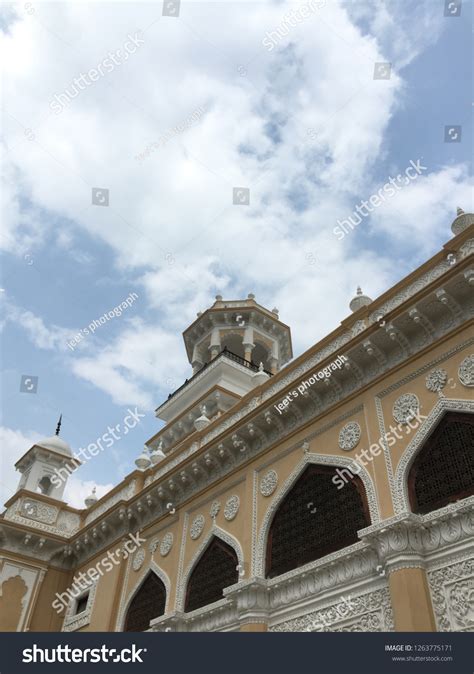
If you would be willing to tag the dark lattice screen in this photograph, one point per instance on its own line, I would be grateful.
(314, 519)
(148, 603)
(443, 471)
(216, 570)
(82, 604)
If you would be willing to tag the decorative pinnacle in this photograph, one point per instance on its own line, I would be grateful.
(359, 290)
(459, 211)
(58, 427)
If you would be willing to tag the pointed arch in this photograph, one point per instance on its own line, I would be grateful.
(309, 459)
(162, 576)
(214, 532)
(427, 428)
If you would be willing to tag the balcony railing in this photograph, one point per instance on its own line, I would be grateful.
(225, 353)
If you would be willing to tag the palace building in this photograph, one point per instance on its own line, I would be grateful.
(329, 492)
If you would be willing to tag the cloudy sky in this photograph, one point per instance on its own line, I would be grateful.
(224, 95)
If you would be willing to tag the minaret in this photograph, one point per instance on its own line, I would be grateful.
(47, 465)
(233, 347)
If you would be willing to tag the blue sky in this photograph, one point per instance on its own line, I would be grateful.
(304, 126)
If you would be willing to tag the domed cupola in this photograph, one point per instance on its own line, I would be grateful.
(360, 300)
(234, 346)
(462, 221)
(47, 465)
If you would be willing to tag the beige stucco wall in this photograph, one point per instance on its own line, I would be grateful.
(116, 587)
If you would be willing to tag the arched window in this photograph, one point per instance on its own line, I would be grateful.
(443, 470)
(314, 519)
(216, 570)
(148, 603)
(45, 485)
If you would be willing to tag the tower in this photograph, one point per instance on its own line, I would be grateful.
(46, 466)
(233, 347)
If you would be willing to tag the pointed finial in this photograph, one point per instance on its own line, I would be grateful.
(459, 211)
(260, 367)
(359, 290)
(58, 427)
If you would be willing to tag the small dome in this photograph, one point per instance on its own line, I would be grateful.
(462, 221)
(91, 499)
(142, 461)
(360, 300)
(56, 444)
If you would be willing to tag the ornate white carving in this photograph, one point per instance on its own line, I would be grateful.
(436, 380)
(74, 622)
(123, 495)
(36, 514)
(358, 327)
(349, 436)
(452, 595)
(37, 510)
(68, 522)
(268, 483)
(221, 616)
(370, 612)
(215, 509)
(138, 560)
(231, 507)
(466, 371)
(197, 526)
(166, 544)
(405, 408)
(153, 547)
(467, 248)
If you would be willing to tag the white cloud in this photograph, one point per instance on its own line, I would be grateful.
(40, 335)
(305, 147)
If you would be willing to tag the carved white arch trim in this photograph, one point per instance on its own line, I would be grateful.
(443, 405)
(322, 459)
(161, 575)
(218, 533)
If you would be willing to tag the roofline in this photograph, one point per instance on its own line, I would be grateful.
(52, 451)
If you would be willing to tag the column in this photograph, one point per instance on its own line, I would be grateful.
(215, 345)
(411, 601)
(400, 543)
